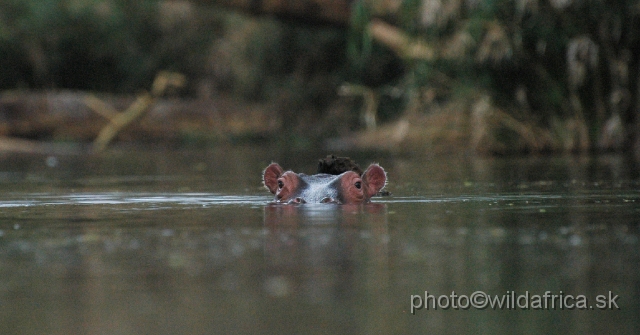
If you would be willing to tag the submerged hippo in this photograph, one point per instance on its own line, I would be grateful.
(346, 188)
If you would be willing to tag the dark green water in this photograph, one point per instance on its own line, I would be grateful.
(168, 242)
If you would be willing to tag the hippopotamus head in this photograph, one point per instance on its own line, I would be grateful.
(346, 188)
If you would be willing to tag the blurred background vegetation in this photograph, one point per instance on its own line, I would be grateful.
(494, 76)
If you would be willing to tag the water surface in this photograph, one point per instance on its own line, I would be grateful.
(169, 242)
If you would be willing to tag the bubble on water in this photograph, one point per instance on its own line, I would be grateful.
(277, 286)
(575, 240)
(542, 236)
(526, 239)
(498, 232)
(237, 249)
(51, 161)
(365, 234)
(176, 260)
(134, 244)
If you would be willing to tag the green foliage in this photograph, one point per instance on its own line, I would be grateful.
(522, 53)
(115, 45)
(370, 63)
(407, 15)
(264, 59)
(359, 42)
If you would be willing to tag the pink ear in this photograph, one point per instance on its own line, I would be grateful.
(374, 178)
(270, 177)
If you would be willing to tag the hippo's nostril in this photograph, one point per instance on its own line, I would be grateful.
(299, 200)
(327, 200)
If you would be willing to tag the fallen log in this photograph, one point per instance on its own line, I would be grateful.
(64, 117)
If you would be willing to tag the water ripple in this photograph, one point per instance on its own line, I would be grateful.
(116, 198)
(154, 200)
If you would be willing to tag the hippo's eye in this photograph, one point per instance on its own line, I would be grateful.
(358, 185)
(280, 184)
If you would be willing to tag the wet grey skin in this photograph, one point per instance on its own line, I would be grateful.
(319, 188)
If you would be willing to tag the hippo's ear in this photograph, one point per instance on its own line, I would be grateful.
(374, 178)
(270, 177)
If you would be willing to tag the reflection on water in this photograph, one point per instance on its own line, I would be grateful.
(327, 258)
(325, 239)
(150, 200)
(156, 247)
